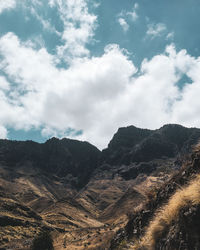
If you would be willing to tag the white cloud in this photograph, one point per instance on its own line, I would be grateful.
(62, 98)
(123, 24)
(136, 6)
(79, 26)
(7, 4)
(155, 30)
(78, 23)
(52, 3)
(133, 14)
(4, 84)
(96, 95)
(170, 36)
(47, 25)
(128, 16)
(3, 132)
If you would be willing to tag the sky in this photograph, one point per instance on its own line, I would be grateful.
(83, 68)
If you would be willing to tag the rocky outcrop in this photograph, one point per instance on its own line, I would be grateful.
(132, 144)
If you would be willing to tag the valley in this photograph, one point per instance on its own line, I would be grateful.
(83, 196)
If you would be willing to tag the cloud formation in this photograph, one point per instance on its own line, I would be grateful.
(96, 95)
(79, 26)
(155, 30)
(92, 96)
(77, 23)
(6, 5)
(133, 14)
(123, 24)
(126, 17)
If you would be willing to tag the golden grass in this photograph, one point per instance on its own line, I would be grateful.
(9, 233)
(189, 195)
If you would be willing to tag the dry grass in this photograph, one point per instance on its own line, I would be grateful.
(189, 195)
(14, 235)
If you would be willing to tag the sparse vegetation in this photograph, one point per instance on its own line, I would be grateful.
(152, 192)
(122, 244)
(46, 195)
(188, 196)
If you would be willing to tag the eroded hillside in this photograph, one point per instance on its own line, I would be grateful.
(170, 219)
(84, 196)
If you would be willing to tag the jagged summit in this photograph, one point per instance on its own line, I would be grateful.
(133, 144)
(128, 137)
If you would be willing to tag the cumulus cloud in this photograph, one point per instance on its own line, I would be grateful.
(6, 5)
(123, 24)
(95, 95)
(155, 30)
(61, 99)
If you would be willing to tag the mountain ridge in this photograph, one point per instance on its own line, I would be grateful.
(73, 187)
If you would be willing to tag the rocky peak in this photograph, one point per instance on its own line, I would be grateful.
(133, 144)
(128, 137)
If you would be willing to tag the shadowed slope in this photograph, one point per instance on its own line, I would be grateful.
(170, 219)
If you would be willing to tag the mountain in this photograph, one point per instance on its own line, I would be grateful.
(82, 195)
(135, 151)
(60, 157)
(132, 144)
(169, 219)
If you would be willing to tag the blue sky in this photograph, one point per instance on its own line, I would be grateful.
(83, 68)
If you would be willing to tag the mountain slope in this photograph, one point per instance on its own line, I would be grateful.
(60, 157)
(82, 195)
(140, 145)
(170, 219)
